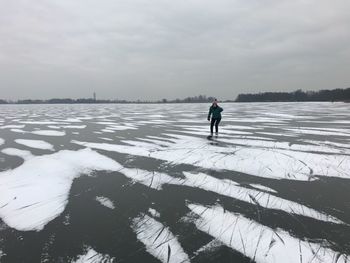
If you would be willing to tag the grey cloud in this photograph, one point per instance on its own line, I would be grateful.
(155, 49)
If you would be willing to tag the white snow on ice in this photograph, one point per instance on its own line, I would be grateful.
(49, 133)
(263, 188)
(263, 160)
(105, 202)
(67, 126)
(91, 256)
(231, 189)
(210, 247)
(36, 192)
(38, 144)
(41, 132)
(12, 126)
(17, 152)
(40, 122)
(318, 132)
(154, 212)
(260, 243)
(153, 180)
(159, 240)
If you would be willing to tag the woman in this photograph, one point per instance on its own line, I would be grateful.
(215, 111)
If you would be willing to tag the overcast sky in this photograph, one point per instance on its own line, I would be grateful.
(153, 49)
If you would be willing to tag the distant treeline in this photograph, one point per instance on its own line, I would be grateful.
(298, 95)
(195, 99)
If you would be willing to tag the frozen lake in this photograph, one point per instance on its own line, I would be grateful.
(142, 183)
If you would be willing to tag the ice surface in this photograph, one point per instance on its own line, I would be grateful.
(159, 240)
(259, 242)
(2, 141)
(91, 256)
(105, 202)
(38, 144)
(259, 144)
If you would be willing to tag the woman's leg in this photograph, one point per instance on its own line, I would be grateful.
(212, 125)
(217, 125)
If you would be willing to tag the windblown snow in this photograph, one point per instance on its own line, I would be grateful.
(270, 162)
(159, 240)
(260, 243)
(38, 144)
(36, 192)
(91, 256)
(105, 202)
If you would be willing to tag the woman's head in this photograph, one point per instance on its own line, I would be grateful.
(215, 102)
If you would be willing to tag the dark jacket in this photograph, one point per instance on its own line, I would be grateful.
(216, 111)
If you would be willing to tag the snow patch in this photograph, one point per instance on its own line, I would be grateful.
(37, 144)
(154, 212)
(67, 127)
(231, 189)
(49, 133)
(17, 152)
(153, 180)
(264, 160)
(259, 242)
(159, 240)
(41, 132)
(262, 187)
(210, 247)
(105, 202)
(36, 192)
(12, 127)
(91, 256)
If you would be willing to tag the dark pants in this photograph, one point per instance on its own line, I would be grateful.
(216, 123)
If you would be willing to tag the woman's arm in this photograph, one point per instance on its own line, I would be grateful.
(209, 113)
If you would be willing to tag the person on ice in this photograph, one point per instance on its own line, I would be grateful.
(215, 114)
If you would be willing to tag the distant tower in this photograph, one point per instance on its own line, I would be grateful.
(94, 96)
